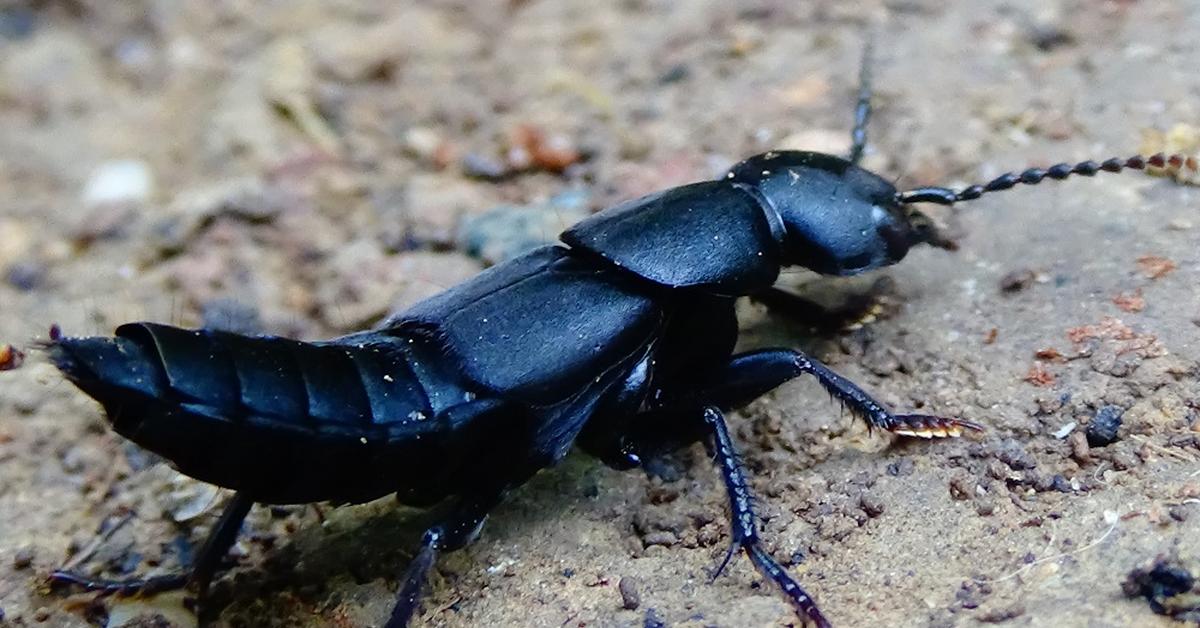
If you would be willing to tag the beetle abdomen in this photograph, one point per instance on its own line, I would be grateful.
(264, 414)
(331, 387)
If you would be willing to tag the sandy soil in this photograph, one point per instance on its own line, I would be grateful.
(301, 168)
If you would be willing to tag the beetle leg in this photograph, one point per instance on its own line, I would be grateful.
(750, 375)
(745, 524)
(459, 529)
(200, 575)
(862, 404)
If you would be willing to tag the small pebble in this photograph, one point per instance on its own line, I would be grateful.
(1002, 615)
(1017, 280)
(652, 620)
(630, 599)
(1124, 460)
(25, 276)
(23, 558)
(1065, 430)
(660, 537)
(118, 182)
(1047, 37)
(483, 167)
(997, 470)
(1102, 429)
(1079, 447)
(507, 231)
(871, 504)
(41, 614)
(1041, 483)
(961, 487)
(422, 142)
(674, 74)
(901, 468)
(1012, 454)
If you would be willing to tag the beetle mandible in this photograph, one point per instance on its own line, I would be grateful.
(620, 340)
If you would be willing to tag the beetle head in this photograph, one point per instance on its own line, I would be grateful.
(838, 218)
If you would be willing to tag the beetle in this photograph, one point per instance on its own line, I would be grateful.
(619, 339)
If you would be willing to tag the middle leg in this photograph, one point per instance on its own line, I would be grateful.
(745, 522)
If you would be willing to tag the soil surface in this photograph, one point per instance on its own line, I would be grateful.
(301, 168)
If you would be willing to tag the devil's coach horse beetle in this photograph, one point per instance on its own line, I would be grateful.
(620, 340)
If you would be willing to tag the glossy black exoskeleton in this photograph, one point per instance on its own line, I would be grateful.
(620, 340)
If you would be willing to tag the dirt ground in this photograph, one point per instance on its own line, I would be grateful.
(301, 168)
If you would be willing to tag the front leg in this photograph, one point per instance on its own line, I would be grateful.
(750, 375)
(670, 421)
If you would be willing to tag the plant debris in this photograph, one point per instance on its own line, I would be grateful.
(1154, 267)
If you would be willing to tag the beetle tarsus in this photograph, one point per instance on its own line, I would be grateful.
(928, 426)
(805, 607)
(745, 523)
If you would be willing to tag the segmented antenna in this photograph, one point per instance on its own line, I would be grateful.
(1033, 176)
(862, 109)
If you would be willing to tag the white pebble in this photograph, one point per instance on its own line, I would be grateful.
(119, 181)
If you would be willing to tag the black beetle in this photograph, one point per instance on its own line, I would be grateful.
(619, 340)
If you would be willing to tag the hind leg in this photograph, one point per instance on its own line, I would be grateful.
(458, 529)
(199, 576)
